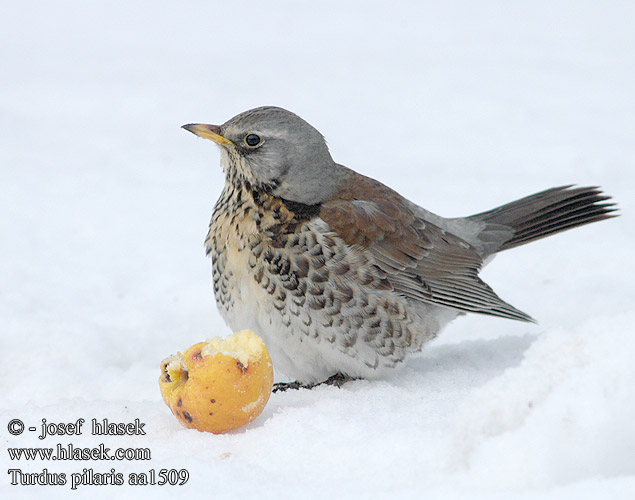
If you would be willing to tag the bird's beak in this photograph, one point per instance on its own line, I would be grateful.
(211, 132)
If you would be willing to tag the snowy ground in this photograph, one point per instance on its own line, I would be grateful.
(459, 105)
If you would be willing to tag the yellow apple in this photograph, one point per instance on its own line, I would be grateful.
(218, 385)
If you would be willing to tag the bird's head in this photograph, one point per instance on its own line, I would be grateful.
(275, 150)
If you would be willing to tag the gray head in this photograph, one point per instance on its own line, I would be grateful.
(274, 149)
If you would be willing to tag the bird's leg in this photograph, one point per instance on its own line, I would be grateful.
(285, 386)
(337, 380)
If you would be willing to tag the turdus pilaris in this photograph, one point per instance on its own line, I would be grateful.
(339, 273)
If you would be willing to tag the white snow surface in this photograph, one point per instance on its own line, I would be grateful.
(460, 106)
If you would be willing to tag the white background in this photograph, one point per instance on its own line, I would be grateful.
(460, 106)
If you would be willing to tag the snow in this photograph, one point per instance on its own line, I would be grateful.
(460, 106)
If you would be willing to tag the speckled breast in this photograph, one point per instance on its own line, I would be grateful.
(277, 268)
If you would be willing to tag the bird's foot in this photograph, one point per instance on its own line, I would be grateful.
(285, 386)
(337, 380)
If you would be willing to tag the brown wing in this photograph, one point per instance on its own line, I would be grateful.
(420, 260)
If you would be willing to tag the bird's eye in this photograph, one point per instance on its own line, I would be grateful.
(252, 140)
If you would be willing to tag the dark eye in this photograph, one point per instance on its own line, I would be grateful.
(252, 140)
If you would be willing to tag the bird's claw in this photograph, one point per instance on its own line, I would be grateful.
(337, 380)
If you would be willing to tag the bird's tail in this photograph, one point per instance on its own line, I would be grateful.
(546, 213)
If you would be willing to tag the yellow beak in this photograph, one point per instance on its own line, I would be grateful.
(211, 132)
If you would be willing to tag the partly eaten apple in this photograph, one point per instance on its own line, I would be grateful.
(218, 385)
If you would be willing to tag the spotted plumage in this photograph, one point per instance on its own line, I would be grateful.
(280, 267)
(339, 273)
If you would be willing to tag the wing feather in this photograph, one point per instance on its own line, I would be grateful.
(420, 260)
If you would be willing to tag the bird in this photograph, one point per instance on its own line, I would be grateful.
(342, 276)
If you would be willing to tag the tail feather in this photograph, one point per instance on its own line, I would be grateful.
(548, 212)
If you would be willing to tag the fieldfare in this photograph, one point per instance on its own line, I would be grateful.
(339, 273)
